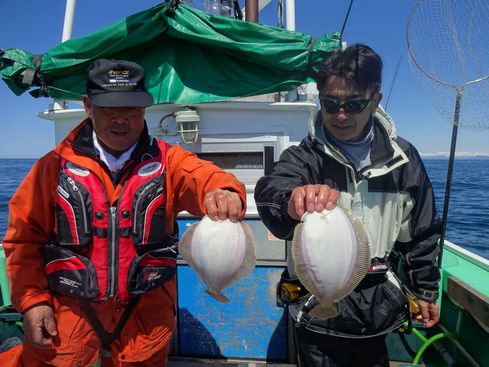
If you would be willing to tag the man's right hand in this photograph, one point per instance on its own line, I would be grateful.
(311, 198)
(429, 311)
(39, 326)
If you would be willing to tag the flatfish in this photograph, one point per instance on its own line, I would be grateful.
(220, 252)
(331, 256)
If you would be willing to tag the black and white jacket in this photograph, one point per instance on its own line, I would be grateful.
(393, 197)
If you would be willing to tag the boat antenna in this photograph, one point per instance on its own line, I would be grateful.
(394, 80)
(447, 42)
(346, 19)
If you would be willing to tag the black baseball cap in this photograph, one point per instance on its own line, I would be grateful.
(117, 83)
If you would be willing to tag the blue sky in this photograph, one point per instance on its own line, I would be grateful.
(37, 26)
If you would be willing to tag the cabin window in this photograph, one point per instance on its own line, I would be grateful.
(235, 160)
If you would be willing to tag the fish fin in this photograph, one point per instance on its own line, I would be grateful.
(249, 259)
(360, 231)
(323, 311)
(185, 244)
(185, 249)
(362, 260)
(362, 263)
(218, 295)
(300, 266)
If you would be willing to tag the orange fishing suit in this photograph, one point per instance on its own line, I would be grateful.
(80, 237)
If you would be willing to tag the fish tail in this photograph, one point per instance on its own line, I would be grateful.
(218, 295)
(323, 311)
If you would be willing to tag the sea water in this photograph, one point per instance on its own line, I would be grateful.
(468, 215)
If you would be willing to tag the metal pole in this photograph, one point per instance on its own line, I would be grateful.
(67, 30)
(69, 16)
(448, 187)
(251, 11)
(290, 15)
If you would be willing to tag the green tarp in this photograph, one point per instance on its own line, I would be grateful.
(189, 57)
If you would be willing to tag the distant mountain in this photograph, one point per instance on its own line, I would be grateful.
(459, 155)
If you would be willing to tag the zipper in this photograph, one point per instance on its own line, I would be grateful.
(80, 196)
(112, 251)
(351, 176)
(112, 242)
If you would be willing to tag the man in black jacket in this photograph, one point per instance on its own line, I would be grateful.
(353, 158)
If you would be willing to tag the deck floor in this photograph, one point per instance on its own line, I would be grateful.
(174, 362)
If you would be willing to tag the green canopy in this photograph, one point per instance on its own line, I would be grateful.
(189, 57)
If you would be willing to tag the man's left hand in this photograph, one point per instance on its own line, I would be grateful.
(429, 311)
(223, 204)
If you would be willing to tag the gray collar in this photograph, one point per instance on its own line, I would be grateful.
(357, 152)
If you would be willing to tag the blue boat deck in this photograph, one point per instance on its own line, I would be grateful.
(178, 362)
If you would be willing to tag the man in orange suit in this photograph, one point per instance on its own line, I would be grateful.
(91, 240)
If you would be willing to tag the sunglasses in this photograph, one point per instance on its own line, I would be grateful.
(331, 105)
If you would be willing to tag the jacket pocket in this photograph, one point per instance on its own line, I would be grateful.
(151, 269)
(70, 273)
(73, 212)
(149, 225)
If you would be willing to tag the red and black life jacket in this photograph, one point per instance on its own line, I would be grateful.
(103, 250)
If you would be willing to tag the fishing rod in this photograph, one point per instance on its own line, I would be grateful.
(346, 19)
(393, 80)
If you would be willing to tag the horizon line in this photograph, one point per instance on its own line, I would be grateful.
(422, 154)
(457, 154)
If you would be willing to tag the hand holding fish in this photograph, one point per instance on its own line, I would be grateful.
(430, 312)
(311, 198)
(223, 204)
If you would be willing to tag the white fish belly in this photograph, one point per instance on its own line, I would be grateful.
(218, 250)
(329, 252)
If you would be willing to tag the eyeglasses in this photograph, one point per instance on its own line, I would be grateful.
(331, 105)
